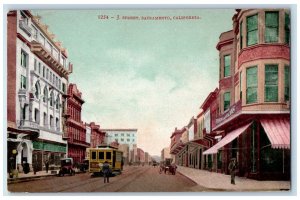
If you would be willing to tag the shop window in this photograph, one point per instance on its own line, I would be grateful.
(252, 30)
(271, 27)
(227, 61)
(271, 83)
(24, 58)
(23, 82)
(226, 100)
(286, 83)
(251, 91)
(287, 28)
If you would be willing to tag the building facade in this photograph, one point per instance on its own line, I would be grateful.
(76, 129)
(37, 79)
(165, 154)
(97, 136)
(122, 136)
(254, 95)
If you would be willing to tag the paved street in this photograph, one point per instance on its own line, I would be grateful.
(133, 179)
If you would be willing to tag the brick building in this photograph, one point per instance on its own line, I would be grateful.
(76, 129)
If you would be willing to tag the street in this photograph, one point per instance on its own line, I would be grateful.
(132, 179)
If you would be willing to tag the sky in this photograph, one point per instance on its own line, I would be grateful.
(152, 75)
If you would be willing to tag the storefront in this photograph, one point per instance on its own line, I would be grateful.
(45, 150)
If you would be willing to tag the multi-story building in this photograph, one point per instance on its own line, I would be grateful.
(37, 79)
(122, 136)
(254, 96)
(165, 154)
(97, 136)
(140, 155)
(76, 129)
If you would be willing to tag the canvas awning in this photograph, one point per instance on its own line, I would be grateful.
(278, 132)
(228, 138)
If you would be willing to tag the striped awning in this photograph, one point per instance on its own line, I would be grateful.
(278, 132)
(228, 138)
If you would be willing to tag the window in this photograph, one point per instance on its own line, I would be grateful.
(45, 119)
(128, 135)
(59, 84)
(51, 98)
(108, 155)
(64, 62)
(101, 155)
(64, 87)
(128, 140)
(93, 155)
(24, 18)
(51, 121)
(36, 115)
(44, 72)
(39, 68)
(53, 80)
(57, 123)
(45, 97)
(57, 102)
(227, 65)
(24, 59)
(37, 90)
(271, 29)
(287, 28)
(122, 139)
(116, 135)
(241, 93)
(286, 83)
(271, 83)
(23, 82)
(35, 32)
(50, 76)
(122, 134)
(132, 140)
(47, 74)
(251, 84)
(35, 64)
(42, 39)
(241, 35)
(252, 30)
(226, 100)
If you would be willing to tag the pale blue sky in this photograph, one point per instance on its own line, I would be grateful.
(149, 75)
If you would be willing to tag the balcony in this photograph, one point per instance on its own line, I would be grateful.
(24, 26)
(29, 126)
(48, 58)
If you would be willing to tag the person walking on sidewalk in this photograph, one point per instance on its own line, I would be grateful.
(106, 171)
(232, 168)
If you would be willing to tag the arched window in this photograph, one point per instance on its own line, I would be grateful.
(37, 90)
(51, 98)
(45, 94)
(57, 102)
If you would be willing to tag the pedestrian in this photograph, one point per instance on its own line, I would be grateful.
(106, 171)
(232, 167)
(47, 165)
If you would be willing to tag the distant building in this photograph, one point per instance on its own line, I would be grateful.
(122, 136)
(97, 136)
(165, 153)
(125, 149)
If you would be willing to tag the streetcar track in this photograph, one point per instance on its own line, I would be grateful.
(88, 181)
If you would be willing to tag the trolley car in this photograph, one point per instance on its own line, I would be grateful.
(97, 156)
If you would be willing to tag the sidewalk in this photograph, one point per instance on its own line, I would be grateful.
(218, 181)
(31, 176)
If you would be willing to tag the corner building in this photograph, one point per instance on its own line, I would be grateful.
(254, 95)
(37, 77)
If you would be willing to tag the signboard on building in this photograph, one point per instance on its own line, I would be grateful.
(233, 110)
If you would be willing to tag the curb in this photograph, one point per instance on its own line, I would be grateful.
(32, 178)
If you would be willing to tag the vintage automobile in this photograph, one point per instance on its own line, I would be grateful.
(66, 167)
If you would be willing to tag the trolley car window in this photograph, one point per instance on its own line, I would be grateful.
(101, 155)
(108, 155)
(93, 155)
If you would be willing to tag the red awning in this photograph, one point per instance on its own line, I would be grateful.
(278, 132)
(228, 138)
